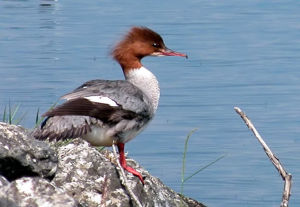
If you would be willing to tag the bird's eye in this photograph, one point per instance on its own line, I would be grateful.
(156, 45)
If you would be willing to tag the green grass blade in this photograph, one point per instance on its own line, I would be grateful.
(14, 112)
(21, 118)
(53, 105)
(184, 158)
(202, 168)
(9, 113)
(37, 117)
(4, 115)
(99, 149)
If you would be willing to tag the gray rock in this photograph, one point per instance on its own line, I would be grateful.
(91, 177)
(3, 181)
(21, 155)
(74, 174)
(34, 192)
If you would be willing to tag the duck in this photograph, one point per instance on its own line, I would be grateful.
(107, 112)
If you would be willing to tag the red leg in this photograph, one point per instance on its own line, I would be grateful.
(124, 163)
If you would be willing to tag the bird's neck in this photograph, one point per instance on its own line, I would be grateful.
(146, 82)
(126, 60)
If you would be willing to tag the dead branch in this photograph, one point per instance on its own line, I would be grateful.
(287, 177)
(104, 192)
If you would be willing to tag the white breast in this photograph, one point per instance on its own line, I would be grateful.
(147, 82)
(98, 136)
(103, 135)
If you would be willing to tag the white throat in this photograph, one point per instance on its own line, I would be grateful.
(147, 82)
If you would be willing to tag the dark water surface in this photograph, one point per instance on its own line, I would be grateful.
(241, 53)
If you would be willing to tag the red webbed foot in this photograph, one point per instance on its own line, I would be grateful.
(124, 163)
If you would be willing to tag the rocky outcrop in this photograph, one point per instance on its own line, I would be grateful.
(21, 155)
(34, 173)
(34, 191)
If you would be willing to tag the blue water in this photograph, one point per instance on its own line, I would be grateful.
(241, 53)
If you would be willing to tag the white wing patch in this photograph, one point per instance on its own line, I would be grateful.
(101, 99)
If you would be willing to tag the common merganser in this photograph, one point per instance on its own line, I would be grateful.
(104, 112)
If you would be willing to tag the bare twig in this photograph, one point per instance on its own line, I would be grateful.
(123, 178)
(287, 177)
(104, 192)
